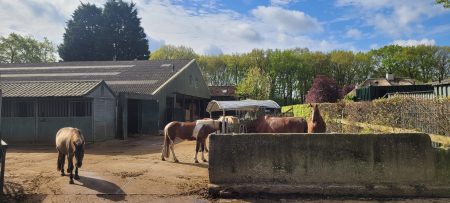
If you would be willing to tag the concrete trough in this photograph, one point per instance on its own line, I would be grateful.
(369, 165)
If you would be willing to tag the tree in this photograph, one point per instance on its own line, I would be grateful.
(84, 35)
(442, 63)
(113, 33)
(174, 52)
(256, 85)
(324, 89)
(445, 3)
(18, 49)
(124, 37)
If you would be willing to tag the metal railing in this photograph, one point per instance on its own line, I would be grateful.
(418, 95)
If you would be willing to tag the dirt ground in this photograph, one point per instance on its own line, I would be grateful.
(122, 170)
(115, 170)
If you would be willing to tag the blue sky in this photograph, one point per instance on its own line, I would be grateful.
(229, 26)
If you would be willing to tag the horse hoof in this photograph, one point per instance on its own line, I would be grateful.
(176, 161)
(71, 182)
(68, 171)
(204, 160)
(77, 177)
(63, 174)
(196, 161)
(163, 159)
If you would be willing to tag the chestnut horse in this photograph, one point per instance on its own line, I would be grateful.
(70, 142)
(185, 131)
(267, 124)
(316, 124)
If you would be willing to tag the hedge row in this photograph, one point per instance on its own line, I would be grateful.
(430, 116)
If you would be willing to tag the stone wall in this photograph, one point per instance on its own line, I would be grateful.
(328, 164)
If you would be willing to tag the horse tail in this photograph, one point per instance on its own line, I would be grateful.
(165, 150)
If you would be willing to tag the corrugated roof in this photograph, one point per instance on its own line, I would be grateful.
(244, 105)
(48, 88)
(153, 72)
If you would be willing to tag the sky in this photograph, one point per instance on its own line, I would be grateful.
(236, 26)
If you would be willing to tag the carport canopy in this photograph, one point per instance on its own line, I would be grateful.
(243, 105)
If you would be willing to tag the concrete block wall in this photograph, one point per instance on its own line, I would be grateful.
(328, 164)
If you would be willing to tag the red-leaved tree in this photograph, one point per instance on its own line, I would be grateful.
(324, 89)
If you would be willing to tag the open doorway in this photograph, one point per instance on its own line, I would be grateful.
(134, 117)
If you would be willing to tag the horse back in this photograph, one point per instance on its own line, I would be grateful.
(66, 138)
(286, 125)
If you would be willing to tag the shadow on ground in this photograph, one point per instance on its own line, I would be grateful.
(108, 190)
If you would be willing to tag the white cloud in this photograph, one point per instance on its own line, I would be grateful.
(230, 31)
(281, 2)
(284, 20)
(36, 18)
(197, 25)
(213, 50)
(411, 42)
(353, 33)
(395, 18)
(374, 46)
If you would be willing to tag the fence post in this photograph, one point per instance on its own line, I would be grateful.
(3, 147)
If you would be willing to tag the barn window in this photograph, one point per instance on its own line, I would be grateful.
(17, 109)
(53, 108)
(24, 109)
(80, 108)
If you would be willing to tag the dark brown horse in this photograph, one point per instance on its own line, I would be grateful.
(316, 124)
(185, 131)
(267, 124)
(201, 132)
(70, 142)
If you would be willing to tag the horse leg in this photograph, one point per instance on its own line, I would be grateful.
(60, 167)
(173, 151)
(76, 174)
(197, 148)
(63, 160)
(203, 151)
(70, 168)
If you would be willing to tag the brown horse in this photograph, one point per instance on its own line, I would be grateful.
(70, 142)
(267, 124)
(316, 124)
(201, 132)
(185, 131)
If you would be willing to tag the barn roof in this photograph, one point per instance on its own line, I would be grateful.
(244, 105)
(142, 77)
(48, 88)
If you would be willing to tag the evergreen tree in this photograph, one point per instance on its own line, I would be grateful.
(113, 33)
(83, 35)
(125, 39)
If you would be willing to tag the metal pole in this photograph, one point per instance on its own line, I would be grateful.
(223, 122)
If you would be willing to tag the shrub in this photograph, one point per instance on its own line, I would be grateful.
(324, 89)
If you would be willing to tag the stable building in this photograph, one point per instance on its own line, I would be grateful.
(33, 111)
(149, 94)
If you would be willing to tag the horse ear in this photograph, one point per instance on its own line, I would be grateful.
(310, 105)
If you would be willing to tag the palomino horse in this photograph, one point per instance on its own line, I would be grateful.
(70, 142)
(232, 123)
(267, 124)
(185, 131)
(316, 124)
